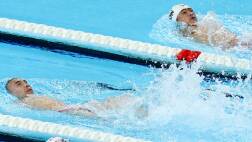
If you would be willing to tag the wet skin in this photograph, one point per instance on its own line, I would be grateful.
(19, 88)
(187, 16)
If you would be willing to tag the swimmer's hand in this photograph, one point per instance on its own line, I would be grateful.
(78, 110)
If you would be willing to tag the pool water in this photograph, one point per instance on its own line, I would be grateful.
(75, 83)
(179, 108)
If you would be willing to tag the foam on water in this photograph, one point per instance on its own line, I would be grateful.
(180, 104)
(184, 107)
(180, 109)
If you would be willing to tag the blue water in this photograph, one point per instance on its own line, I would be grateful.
(177, 111)
(128, 19)
(70, 78)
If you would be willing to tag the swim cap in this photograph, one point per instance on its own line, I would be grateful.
(176, 9)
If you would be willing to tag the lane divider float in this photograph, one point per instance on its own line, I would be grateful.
(126, 47)
(188, 55)
(54, 129)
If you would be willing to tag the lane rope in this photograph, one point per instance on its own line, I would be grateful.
(155, 52)
(210, 62)
(62, 130)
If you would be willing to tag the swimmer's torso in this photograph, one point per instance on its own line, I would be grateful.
(212, 32)
(220, 37)
(46, 103)
(43, 102)
(91, 108)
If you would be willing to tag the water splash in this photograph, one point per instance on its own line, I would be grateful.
(180, 105)
(164, 31)
(183, 106)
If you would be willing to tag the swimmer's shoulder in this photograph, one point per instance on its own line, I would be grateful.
(34, 98)
(42, 102)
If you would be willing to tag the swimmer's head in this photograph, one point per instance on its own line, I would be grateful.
(184, 14)
(18, 87)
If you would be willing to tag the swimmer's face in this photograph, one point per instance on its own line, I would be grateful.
(187, 16)
(19, 88)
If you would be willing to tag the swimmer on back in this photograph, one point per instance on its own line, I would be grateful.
(208, 30)
(23, 91)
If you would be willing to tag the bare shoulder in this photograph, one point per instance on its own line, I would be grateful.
(42, 102)
(31, 99)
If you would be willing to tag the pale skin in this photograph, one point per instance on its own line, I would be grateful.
(23, 91)
(199, 32)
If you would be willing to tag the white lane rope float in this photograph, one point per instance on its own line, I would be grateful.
(54, 129)
(125, 47)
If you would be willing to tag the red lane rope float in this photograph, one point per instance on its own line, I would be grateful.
(188, 55)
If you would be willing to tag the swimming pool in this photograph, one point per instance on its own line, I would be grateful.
(168, 93)
(24, 61)
(69, 77)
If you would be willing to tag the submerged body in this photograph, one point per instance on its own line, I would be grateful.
(209, 30)
(24, 92)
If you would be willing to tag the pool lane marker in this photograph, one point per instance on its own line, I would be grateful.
(62, 130)
(188, 55)
(130, 48)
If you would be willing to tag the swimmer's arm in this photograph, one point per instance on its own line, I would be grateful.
(233, 40)
(121, 101)
(225, 38)
(246, 43)
(240, 42)
(78, 110)
(142, 111)
(124, 101)
(221, 37)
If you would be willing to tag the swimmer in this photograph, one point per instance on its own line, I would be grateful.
(208, 30)
(23, 91)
